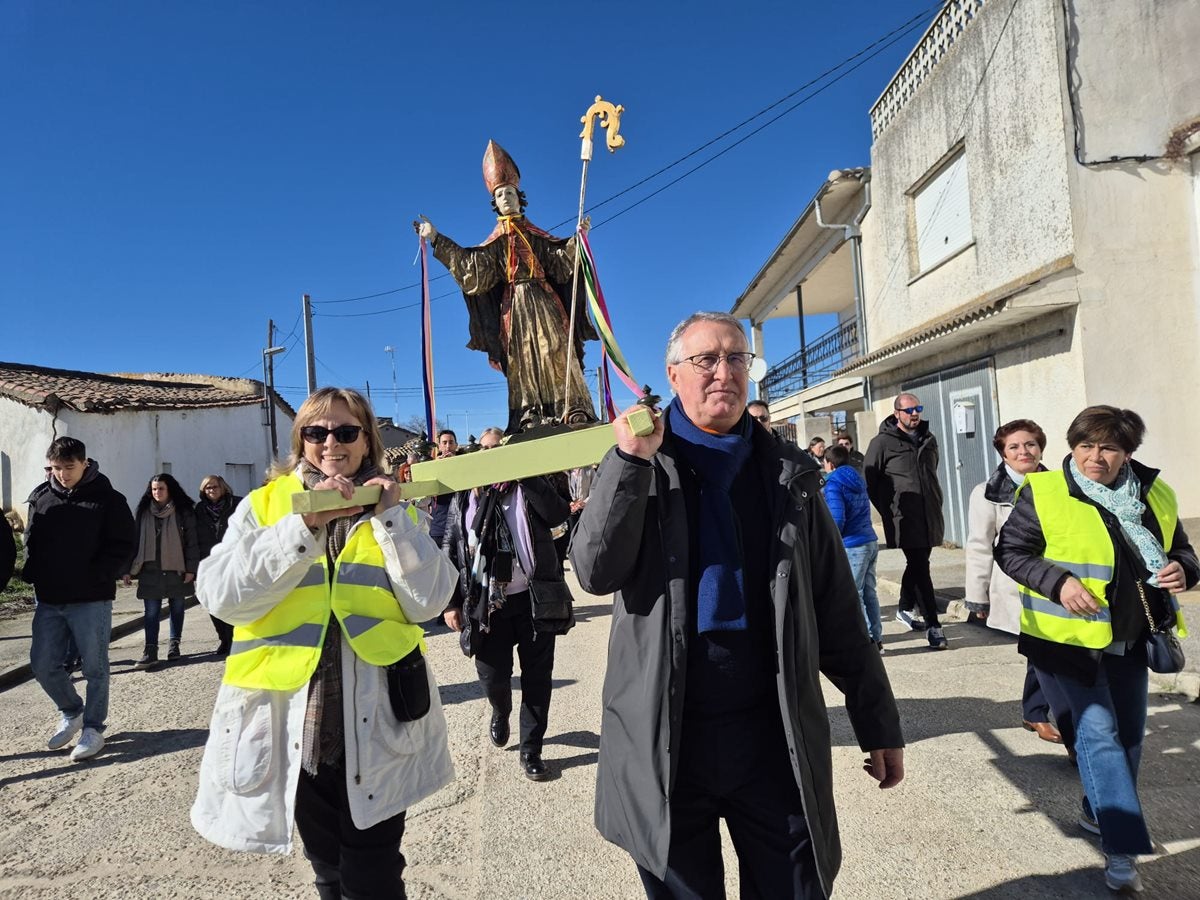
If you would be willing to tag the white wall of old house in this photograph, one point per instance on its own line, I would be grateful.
(1011, 125)
(1135, 225)
(25, 433)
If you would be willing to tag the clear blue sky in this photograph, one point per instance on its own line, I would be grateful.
(172, 175)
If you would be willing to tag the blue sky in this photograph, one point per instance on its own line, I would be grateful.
(172, 175)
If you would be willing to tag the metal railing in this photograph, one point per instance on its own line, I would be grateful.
(814, 362)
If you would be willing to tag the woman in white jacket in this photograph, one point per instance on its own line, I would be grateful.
(327, 716)
(991, 595)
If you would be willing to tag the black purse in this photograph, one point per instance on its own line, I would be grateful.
(552, 606)
(1164, 653)
(408, 687)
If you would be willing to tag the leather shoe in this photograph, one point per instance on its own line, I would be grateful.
(535, 769)
(498, 730)
(1044, 730)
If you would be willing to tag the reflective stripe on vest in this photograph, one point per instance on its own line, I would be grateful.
(280, 651)
(1078, 541)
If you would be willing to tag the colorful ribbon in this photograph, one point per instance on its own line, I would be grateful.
(427, 344)
(610, 351)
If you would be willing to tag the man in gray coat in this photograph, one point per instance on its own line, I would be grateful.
(733, 595)
(901, 470)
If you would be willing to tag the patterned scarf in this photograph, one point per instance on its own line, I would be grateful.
(1124, 500)
(324, 737)
(716, 459)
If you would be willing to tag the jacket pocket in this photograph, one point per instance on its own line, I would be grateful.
(408, 687)
(245, 743)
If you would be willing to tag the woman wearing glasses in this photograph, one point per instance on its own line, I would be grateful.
(1099, 552)
(327, 715)
(217, 503)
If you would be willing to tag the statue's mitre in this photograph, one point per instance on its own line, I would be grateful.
(499, 168)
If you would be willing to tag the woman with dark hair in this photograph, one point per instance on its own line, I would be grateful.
(327, 718)
(1099, 552)
(992, 595)
(165, 562)
(217, 503)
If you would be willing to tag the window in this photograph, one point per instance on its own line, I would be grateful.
(942, 212)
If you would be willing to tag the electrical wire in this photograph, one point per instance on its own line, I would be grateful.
(380, 312)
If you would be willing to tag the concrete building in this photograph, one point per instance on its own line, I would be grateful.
(136, 426)
(1033, 240)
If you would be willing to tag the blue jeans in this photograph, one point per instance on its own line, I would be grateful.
(1110, 721)
(90, 625)
(862, 564)
(154, 614)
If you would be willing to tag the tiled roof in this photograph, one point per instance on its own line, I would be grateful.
(55, 389)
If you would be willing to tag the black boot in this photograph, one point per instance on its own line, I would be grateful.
(149, 658)
(173, 649)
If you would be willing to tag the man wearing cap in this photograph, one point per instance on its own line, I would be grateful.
(517, 285)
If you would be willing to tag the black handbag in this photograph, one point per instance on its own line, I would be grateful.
(408, 687)
(552, 606)
(1164, 653)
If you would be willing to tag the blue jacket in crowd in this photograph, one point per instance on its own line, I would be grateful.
(846, 497)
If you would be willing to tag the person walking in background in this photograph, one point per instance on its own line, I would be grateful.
(992, 595)
(165, 561)
(8, 551)
(1099, 552)
(216, 504)
(902, 481)
(843, 439)
(510, 594)
(846, 496)
(447, 446)
(327, 716)
(733, 596)
(816, 449)
(80, 535)
(760, 413)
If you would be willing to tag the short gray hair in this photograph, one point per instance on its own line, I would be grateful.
(492, 429)
(676, 338)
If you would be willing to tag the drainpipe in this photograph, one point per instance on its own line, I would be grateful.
(853, 234)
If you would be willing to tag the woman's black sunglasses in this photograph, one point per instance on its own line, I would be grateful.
(343, 434)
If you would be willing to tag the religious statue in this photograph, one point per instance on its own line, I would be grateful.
(517, 286)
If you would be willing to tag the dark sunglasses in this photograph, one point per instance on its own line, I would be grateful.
(343, 434)
(763, 418)
(910, 409)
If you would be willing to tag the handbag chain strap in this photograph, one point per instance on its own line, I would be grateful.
(1146, 606)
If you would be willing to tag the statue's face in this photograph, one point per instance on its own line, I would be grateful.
(508, 201)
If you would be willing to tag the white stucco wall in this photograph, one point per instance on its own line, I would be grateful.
(133, 445)
(1013, 131)
(25, 433)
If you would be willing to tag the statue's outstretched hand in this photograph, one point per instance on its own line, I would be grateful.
(425, 229)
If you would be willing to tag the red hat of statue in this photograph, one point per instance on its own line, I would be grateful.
(499, 168)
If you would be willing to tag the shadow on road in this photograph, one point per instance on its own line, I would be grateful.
(585, 739)
(1175, 870)
(473, 690)
(120, 747)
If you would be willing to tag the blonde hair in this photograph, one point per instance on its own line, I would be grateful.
(218, 480)
(318, 404)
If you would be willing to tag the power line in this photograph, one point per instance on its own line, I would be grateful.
(407, 287)
(392, 309)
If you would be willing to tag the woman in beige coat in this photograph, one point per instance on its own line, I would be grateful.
(991, 595)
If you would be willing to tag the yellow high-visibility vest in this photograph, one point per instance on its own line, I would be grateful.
(1078, 541)
(280, 651)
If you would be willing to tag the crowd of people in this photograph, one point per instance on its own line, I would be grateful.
(735, 586)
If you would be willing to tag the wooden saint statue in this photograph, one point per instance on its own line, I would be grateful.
(517, 285)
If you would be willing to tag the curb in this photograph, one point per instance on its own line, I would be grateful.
(22, 673)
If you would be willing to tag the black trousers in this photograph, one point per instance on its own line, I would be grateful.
(1041, 700)
(916, 584)
(357, 864)
(740, 772)
(513, 627)
(224, 631)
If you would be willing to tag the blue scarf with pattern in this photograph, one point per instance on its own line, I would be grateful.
(716, 459)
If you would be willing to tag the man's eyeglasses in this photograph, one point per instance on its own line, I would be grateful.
(910, 409)
(708, 362)
(343, 434)
(766, 420)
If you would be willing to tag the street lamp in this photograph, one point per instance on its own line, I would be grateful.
(391, 351)
(268, 390)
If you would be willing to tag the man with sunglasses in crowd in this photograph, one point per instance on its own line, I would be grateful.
(902, 481)
(733, 593)
(760, 413)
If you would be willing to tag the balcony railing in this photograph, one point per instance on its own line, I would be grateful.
(814, 362)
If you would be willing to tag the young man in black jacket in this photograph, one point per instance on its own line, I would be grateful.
(80, 535)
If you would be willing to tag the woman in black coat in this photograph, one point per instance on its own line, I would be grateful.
(165, 560)
(217, 503)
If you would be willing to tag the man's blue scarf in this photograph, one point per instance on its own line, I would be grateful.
(716, 460)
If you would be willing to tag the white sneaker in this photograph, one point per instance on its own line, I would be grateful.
(90, 743)
(1121, 874)
(67, 729)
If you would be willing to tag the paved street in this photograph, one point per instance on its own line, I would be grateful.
(987, 809)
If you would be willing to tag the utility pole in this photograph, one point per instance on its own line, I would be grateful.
(391, 351)
(600, 394)
(309, 352)
(268, 399)
(271, 388)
